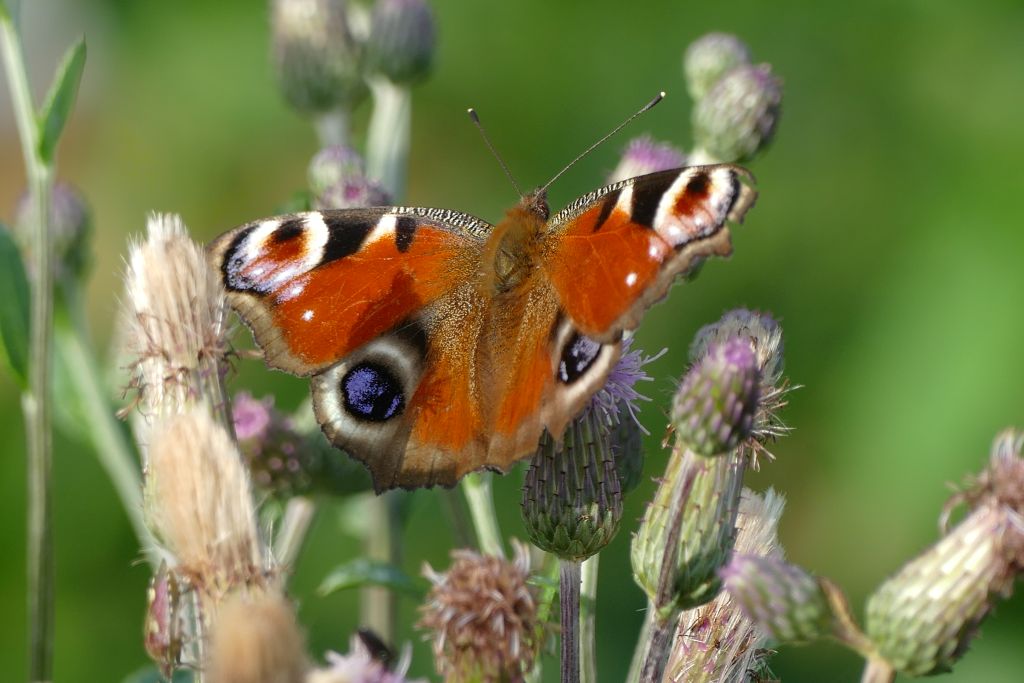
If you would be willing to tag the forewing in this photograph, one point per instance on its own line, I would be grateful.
(614, 252)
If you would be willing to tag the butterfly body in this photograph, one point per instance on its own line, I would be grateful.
(438, 344)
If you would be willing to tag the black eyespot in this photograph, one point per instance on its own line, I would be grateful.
(372, 392)
(577, 357)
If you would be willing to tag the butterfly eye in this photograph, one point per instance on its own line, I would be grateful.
(372, 392)
(577, 356)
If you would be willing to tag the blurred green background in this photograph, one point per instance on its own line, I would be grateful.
(887, 238)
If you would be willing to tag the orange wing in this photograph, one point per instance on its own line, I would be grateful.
(615, 251)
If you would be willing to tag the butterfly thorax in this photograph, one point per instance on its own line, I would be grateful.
(514, 247)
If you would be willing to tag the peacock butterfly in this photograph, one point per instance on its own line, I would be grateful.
(438, 344)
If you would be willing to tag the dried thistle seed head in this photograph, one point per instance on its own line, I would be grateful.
(737, 117)
(785, 601)
(482, 616)
(361, 665)
(709, 58)
(274, 452)
(70, 231)
(571, 501)
(255, 639)
(164, 632)
(923, 618)
(716, 641)
(174, 320)
(713, 410)
(688, 530)
(199, 503)
(402, 40)
(316, 54)
(645, 155)
(1001, 483)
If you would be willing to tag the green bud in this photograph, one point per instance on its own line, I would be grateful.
(402, 40)
(714, 408)
(709, 58)
(572, 503)
(318, 60)
(70, 231)
(691, 525)
(786, 602)
(737, 117)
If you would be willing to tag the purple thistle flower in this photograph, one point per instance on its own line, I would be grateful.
(251, 416)
(619, 395)
(645, 155)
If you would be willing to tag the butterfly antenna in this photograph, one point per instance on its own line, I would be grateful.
(600, 142)
(501, 162)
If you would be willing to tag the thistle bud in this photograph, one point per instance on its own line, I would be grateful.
(737, 117)
(271, 448)
(923, 618)
(70, 231)
(482, 616)
(690, 524)
(645, 155)
(337, 176)
(786, 602)
(572, 503)
(402, 40)
(713, 410)
(709, 58)
(318, 59)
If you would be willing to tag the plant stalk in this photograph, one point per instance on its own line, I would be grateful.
(36, 400)
(569, 601)
(588, 630)
(477, 487)
(387, 142)
(379, 606)
(298, 517)
(877, 670)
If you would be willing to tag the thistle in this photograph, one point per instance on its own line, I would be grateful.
(256, 640)
(738, 115)
(402, 40)
(271, 448)
(645, 155)
(709, 58)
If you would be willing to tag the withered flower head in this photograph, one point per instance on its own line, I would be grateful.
(256, 639)
(174, 316)
(483, 617)
(199, 502)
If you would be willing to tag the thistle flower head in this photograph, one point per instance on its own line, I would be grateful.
(70, 230)
(717, 641)
(317, 57)
(619, 397)
(737, 117)
(785, 601)
(482, 617)
(200, 505)
(645, 155)
(713, 410)
(361, 665)
(572, 502)
(709, 58)
(271, 448)
(924, 618)
(255, 639)
(173, 313)
(402, 40)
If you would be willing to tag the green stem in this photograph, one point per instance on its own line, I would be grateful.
(387, 144)
(640, 652)
(298, 517)
(477, 487)
(332, 127)
(569, 601)
(382, 544)
(877, 670)
(455, 508)
(588, 629)
(36, 401)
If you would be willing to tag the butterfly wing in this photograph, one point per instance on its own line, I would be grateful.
(614, 252)
(364, 301)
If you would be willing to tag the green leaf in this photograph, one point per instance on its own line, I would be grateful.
(362, 572)
(60, 100)
(14, 295)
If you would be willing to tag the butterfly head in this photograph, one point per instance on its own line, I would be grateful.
(536, 203)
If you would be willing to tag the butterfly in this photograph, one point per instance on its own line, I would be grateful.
(438, 344)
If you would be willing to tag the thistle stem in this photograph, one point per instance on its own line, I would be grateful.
(877, 670)
(477, 487)
(383, 534)
(332, 127)
(36, 400)
(387, 145)
(588, 607)
(659, 645)
(298, 516)
(569, 601)
(640, 651)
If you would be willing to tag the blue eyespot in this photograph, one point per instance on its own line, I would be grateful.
(372, 392)
(577, 357)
